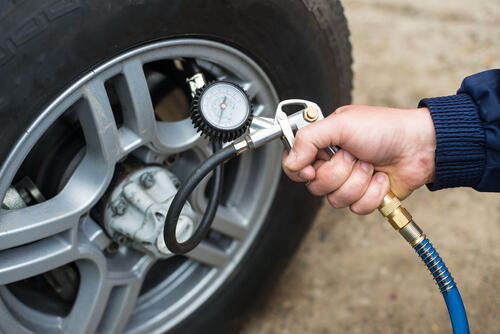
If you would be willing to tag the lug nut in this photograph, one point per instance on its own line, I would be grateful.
(119, 207)
(120, 239)
(147, 180)
(112, 247)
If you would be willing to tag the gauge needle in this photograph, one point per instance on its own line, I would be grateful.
(222, 107)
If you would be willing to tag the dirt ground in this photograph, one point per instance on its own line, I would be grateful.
(354, 274)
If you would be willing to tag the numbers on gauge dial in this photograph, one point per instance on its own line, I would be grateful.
(225, 106)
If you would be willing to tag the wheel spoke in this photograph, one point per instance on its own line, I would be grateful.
(175, 137)
(91, 300)
(230, 222)
(251, 88)
(33, 259)
(208, 254)
(138, 113)
(106, 298)
(82, 191)
(9, 323)
(121, 303)
(34, 319)
(258, 110)
(198, 198)
(98, 123)
(94, 233)
(21, 226)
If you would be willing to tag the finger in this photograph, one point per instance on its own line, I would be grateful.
(371, 199)
(332, 174)
(294, 176)
(323, 155)
(307, 173)
(354, 187)
(309, 140)
(318, 163)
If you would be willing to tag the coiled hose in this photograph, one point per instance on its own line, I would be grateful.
(446, 284)
(214, 162)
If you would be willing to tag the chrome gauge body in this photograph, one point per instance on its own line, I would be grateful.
(221, 111)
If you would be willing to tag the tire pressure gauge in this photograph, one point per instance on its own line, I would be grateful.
(221, 111)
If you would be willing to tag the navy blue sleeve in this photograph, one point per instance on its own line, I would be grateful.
(468, 134)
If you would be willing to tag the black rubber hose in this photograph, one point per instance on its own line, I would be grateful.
(192, 66)
(213, 162)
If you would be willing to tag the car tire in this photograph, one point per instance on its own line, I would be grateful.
(303, 46)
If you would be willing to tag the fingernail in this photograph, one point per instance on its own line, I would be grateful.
(366, 166)
(380, 178)
(301, 175)
(348, 156)
(292, 156)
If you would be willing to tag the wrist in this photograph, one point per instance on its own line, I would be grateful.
(429, 145)
(422, 140)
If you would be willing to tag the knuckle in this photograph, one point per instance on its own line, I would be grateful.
(303, 134)
(344, 109)
(324, 172)
(293, 176)
(343, 170)
(344, 199)
(358, 185)
(339, 168)
(353, 186)
(313, 189)
(341, 109)
(334, 201)
(361, 178)
(331, 201)
(286, 171)
(351, 193)
(360, 209)
(329, 179)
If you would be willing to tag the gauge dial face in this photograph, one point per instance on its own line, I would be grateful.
(225, 106)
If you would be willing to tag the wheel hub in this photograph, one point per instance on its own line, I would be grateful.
(137, 208)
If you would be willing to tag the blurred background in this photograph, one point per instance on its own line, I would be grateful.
(354, 274)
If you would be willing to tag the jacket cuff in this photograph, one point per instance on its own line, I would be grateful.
(460, 141)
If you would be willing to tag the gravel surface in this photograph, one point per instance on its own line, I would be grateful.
(354, 274)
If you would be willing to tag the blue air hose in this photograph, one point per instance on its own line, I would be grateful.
(446, 284)
(402, 221)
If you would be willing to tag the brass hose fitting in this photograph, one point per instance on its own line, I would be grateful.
(391, 209)
(400, 219)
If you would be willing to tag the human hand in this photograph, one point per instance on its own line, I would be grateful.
(395, 149)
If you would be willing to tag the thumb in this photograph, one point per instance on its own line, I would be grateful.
(309, 140)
